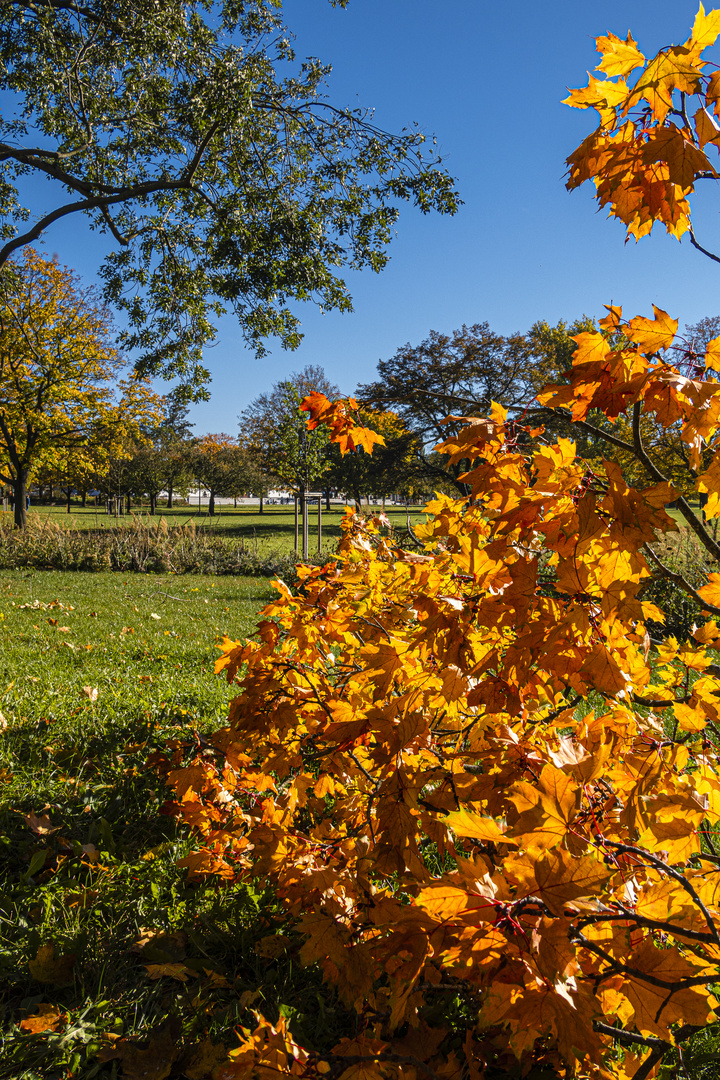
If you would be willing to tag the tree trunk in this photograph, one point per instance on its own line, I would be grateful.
(211, 504)
(261, 503)
(170, 495)
(327, 499)
(152, 503)
(67, 504)
(127, 503)
(20, 498)
(83, 497)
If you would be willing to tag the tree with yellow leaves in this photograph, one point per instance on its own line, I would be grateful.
(58, 377)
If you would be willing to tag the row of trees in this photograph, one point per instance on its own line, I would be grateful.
(71, 418)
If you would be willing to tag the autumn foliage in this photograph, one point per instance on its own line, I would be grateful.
(471, 775)
(658, 132)
(486, 796)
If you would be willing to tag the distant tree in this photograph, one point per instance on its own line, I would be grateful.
(59, 396)
(390, 468)
(170, 440)
(185, 132)
(274, 429)
(451, 374)
(220, 465)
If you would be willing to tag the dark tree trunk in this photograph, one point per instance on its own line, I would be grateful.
(170, 495)
(67, 504)
(83, 497)
(127, 503)
(153, 498)
(262, 499)
(20, 498)
(327, 499)
(211, 504)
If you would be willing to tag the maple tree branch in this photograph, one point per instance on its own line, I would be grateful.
(678, 579)
(683, 506)
(631, 1038)
(618, 967)
(652, 924)
(699, 247)
(604, 435)
(625, 848)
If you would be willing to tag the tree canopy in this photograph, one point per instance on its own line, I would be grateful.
(275, 430)
(60, 400)
(222, 176)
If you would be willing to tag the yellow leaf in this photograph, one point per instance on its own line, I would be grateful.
(706, 27)
(652, 334)
(477, 827)
(690, 719)
(618, 57)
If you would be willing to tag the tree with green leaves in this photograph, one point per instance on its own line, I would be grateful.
(274, 429)
(221, 175)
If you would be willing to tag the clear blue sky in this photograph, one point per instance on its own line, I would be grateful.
(487, 79)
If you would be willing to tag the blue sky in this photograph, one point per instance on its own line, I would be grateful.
(487, 79)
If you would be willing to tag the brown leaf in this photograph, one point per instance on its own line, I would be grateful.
(203, 1058)
(152, 1058)
(41, 824)
(49, 968)
(90, 692)
(170, 971)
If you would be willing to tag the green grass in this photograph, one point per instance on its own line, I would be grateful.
(108, 874)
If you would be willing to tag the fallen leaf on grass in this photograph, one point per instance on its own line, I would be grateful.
(49, 968)
(90, 692)
(91, 853)
(271, 946)
(151, 1059)
(203, 1058)
(170, 971)
(3, 723)
(81, 899)
(154, 616)
(144, 678)
(47, 1018)
(41, 824)
(160, 947)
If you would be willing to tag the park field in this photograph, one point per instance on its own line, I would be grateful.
(98, 673)
(274, 529)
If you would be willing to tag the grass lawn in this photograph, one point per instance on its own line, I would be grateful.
(98, 672)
